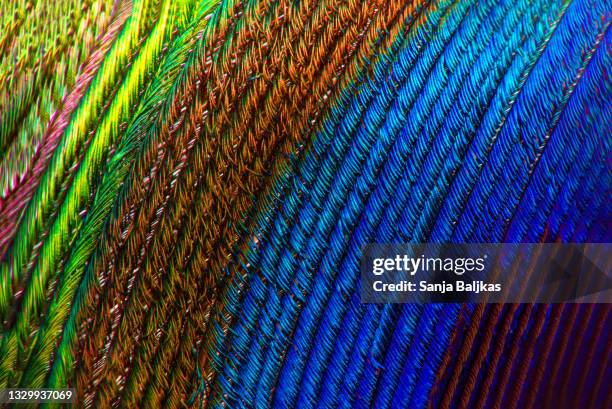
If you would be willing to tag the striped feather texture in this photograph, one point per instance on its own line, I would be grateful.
(186, 188)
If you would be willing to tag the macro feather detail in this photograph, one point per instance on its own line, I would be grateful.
(187, 187)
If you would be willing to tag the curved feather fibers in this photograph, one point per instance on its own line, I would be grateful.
(38, 64)
(69, 215)
(187, 187)
(41, 210)
(14, 200)
(203, 259)
(73, 270)
(174, 294)
(375, 31)
(113, 180)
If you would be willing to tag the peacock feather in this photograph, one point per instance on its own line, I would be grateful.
(187, 187)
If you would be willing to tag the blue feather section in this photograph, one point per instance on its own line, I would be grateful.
(485, 123)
